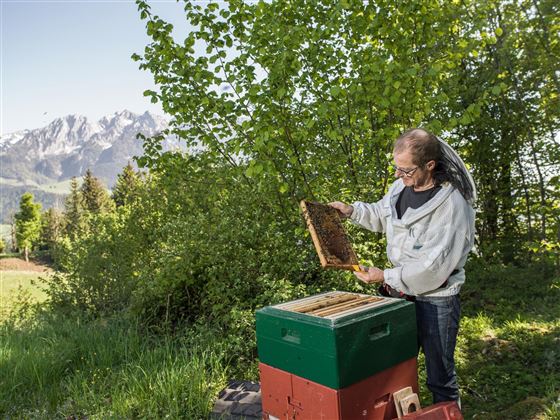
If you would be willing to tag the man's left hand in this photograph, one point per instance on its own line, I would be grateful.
(370, 274)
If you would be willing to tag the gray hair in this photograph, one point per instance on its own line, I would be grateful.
(424, 147)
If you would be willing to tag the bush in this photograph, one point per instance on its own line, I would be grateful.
(183, 250)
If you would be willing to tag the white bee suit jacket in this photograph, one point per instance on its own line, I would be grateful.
(427, 244)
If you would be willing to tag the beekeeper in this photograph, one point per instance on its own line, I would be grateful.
(428, 218)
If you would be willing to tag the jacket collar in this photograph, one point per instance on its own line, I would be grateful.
(413, 215)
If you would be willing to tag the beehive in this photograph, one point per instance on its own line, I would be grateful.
(288, 396)
(337, 338)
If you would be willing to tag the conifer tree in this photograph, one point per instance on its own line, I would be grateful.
(51, 227)
(126, 187)
(28, 223)
(73, 209)
(95, 198)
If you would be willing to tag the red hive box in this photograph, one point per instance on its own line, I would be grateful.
(287, 396)
(448, 410)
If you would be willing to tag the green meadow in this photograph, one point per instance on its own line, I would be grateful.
(56, 365)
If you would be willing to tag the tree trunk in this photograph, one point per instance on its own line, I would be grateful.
(541, 183)
(508, 219)
(526, 194)
(13, 237)
(26, 253)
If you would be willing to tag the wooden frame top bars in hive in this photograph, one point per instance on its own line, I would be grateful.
(332, 305)
(329, 237)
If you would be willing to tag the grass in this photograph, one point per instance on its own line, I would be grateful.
(65, 367)
(508, 350)
(62, 187)
(10, 255)
(51, 366)
(15, 283)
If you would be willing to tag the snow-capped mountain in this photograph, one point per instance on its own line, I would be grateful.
(10, 139)
(68, 146)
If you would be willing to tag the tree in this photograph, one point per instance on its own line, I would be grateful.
(51, 228)
(313, 114)
(95, 198)
(2, 245)
(13, 240)
(127, 186)
(28, 223)
(509, 140)
(73, 209)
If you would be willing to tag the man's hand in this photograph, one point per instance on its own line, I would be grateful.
(344, 210)
(370, 274)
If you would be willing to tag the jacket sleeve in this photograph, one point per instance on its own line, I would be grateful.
(369, 215)
(445, 247)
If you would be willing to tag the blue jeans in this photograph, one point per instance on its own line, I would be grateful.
(437, 319)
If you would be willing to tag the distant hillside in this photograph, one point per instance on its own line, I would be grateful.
(49, 195)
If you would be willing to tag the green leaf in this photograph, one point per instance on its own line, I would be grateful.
(335, 91)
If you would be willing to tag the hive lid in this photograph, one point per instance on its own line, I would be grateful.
(333, 307)
(329, 236)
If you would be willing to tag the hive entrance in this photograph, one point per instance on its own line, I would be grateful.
(329, 236)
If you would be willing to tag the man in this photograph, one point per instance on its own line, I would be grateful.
(428, 218)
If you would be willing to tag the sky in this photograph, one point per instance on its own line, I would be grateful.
(73, 57)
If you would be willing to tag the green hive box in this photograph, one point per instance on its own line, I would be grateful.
(340, 349)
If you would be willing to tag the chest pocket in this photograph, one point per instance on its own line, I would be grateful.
(416, 236)
(387, 210)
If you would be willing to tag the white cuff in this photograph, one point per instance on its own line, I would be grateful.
(393, 277)
(357, 212)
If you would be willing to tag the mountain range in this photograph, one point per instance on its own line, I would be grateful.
(43, 160)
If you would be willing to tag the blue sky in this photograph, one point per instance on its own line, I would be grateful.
(73, 57)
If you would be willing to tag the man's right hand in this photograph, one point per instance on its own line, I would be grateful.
(344, 210)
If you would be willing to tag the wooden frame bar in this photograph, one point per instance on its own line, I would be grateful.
(330, 239)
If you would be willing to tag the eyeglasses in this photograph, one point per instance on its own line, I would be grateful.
(406, 172)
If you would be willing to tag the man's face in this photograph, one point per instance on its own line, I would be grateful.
(410, 173)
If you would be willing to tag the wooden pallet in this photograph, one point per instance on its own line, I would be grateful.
(329, 236)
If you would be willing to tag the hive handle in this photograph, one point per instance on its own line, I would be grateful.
(379, 331)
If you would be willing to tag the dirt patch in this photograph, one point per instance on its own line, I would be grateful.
(17, 264)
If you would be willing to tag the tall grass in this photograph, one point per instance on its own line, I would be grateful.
(55, 366)
(70, 368)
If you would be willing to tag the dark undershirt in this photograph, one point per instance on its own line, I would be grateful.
(414, 199)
